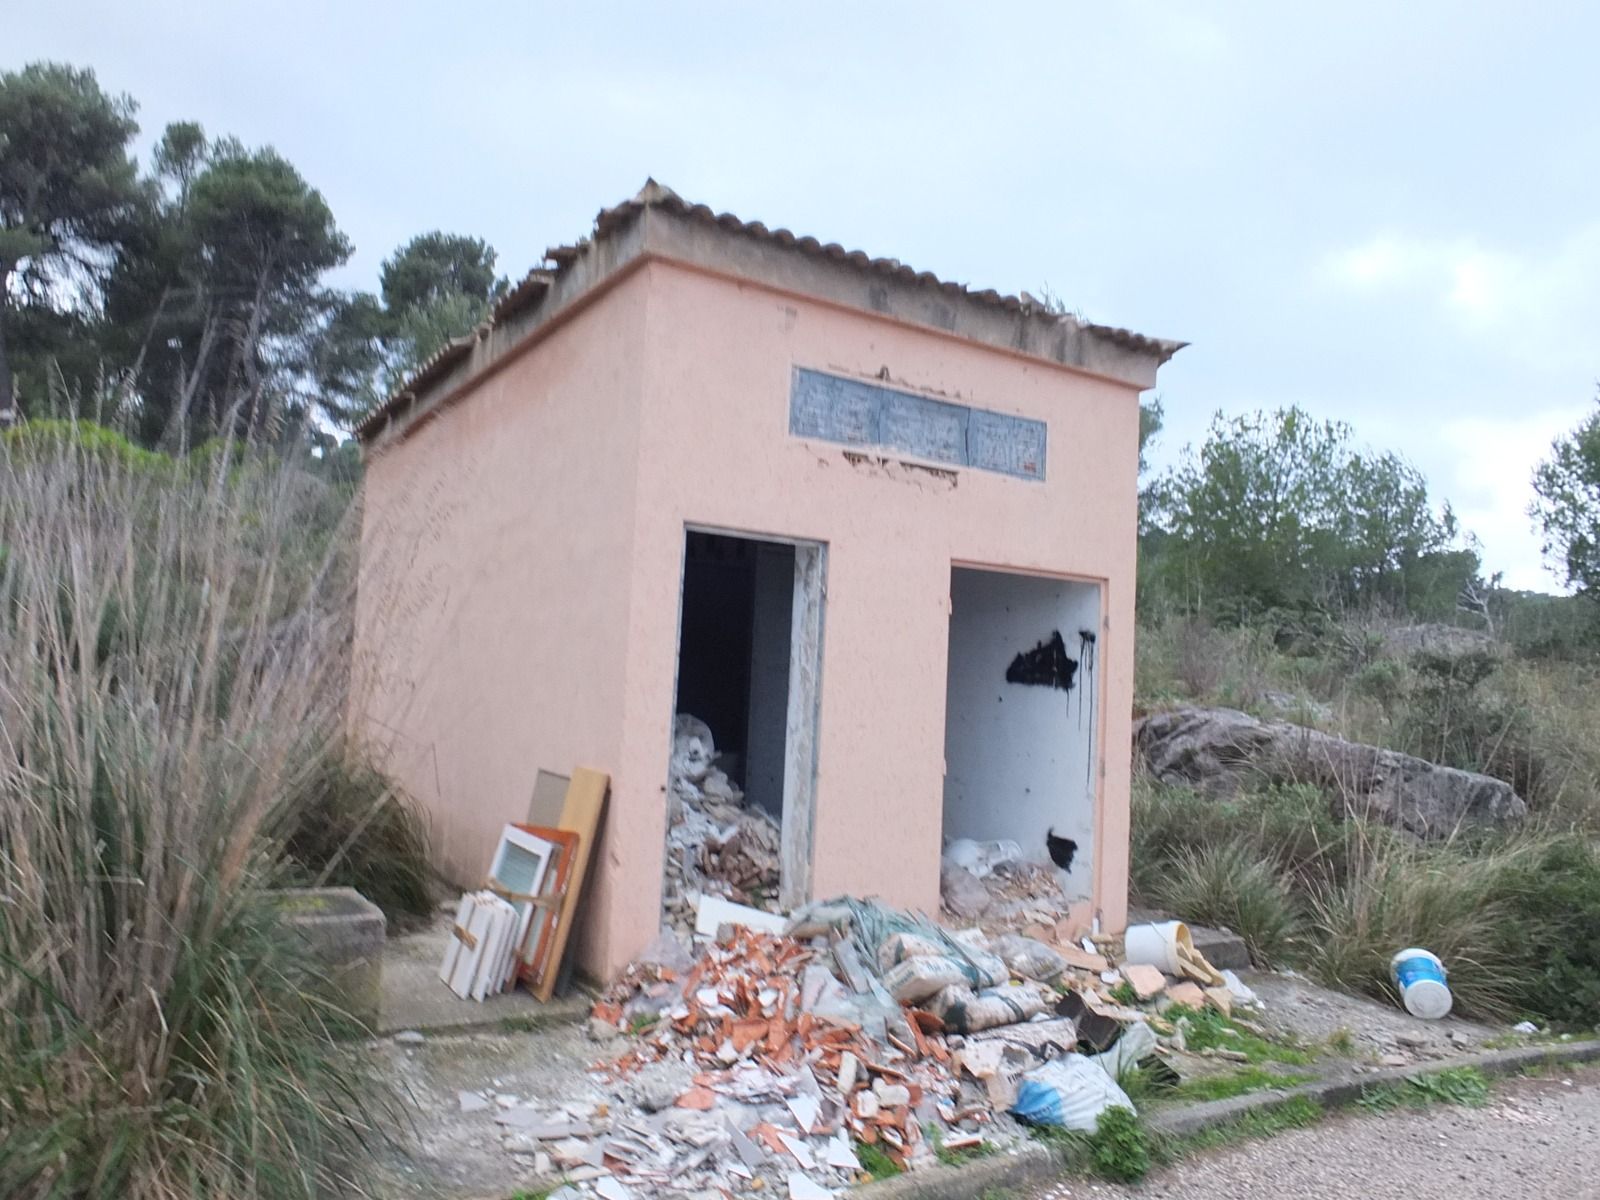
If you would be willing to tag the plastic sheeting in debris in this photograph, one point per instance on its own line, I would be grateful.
(1070, 1092)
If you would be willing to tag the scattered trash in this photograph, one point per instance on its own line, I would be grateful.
(1188, 994)
(1524, 1027)
(1146, 981)
(1030, 958)
(1420, 977)
(1242, 994)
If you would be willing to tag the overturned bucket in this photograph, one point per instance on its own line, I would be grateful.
(1420, 976)
(1157, 945)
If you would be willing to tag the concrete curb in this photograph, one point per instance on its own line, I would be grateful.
(1036, 1163)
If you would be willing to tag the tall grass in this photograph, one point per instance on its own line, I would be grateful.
(170, 669)
(1516, 917)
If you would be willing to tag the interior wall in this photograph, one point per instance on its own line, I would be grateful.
(770, 652)
(719, 576)
(1019, 756)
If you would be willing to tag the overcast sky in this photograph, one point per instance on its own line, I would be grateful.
(1386, 213)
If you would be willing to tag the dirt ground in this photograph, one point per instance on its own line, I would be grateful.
(1536, 1137)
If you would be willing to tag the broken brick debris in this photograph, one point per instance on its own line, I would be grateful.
(760, 1061)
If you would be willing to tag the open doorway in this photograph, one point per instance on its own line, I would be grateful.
(742, 777)
(1020, 719)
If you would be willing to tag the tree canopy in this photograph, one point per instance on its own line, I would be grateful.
(68, 193)
(194, 296)
(1279, 509)
(1566, 506)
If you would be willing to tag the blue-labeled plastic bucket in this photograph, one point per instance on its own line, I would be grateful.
(1420, 976)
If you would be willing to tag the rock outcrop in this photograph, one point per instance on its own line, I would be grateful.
(1220, 750)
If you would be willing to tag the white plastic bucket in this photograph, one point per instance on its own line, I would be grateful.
(1157, 945)
(1420, 976)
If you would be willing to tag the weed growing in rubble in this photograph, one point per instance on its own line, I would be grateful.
(954, 1157)
(1207, 1029)
(875, 1161)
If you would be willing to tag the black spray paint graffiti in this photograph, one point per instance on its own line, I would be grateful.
(1086, 650)
(1046, 665)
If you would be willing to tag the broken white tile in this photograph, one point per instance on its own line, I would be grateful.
(739, 1169)
(839, 1154)
(748, 1151)
(612, 1188)
(802, 1187)
(801, 1152)
(505, 1100)
(472, 1102)
(848, 1063)
(805, 1110)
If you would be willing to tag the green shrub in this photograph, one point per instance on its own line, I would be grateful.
(352, 827)
(1118, 1148)
(1552, 896)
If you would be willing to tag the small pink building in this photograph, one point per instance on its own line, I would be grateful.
(876, 529)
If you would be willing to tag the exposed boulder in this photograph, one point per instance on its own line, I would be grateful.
(1438, 641)
(1220, 750)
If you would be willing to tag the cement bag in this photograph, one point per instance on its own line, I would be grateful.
(964, 1011)
(915, 979)
(898, 947)
(1029, 958)
(817, 918)
(1069, 1092)
(978, 967)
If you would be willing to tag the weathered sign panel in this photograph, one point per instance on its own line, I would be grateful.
(854, 412)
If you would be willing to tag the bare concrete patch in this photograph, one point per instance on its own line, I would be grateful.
(1298, 1009)
(414, 999)
(455, 1089)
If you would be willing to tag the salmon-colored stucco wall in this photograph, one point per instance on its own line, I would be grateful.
(496, 560)
(718, 368)
(553, 502)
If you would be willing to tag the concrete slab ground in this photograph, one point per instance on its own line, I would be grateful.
(414, 998)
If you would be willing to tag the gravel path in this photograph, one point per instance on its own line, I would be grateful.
(1535, 1138)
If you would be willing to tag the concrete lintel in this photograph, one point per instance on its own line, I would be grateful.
(663, 234)
(1037, 334)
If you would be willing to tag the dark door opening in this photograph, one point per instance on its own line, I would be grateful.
(749, 656)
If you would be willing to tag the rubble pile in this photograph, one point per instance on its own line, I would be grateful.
(756, 1062)
(993, 882)
(716, 845)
